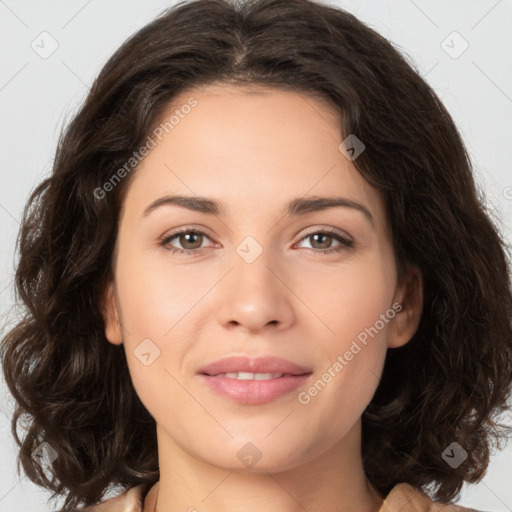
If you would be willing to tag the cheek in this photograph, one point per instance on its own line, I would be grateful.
(157, 297)
(355, 309)
(160, 307)
(350, 302)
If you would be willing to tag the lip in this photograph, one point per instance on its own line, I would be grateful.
(254, 392)
(254, 365)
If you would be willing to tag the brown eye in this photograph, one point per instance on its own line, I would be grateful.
(322, 241)
(189, 241)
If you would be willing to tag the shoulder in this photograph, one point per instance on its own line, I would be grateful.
(129, 501)
(405, 495)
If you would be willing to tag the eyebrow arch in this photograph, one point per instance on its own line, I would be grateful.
(299, 206)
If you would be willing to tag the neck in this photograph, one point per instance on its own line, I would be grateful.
(334, 480)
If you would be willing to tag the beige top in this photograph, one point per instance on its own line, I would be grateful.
(402, 498)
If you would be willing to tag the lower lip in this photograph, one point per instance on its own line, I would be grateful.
(254, 392)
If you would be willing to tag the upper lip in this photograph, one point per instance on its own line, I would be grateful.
(253, 365)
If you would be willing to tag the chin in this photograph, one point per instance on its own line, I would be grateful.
(258, 457)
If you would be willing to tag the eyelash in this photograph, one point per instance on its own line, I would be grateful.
(345, 243)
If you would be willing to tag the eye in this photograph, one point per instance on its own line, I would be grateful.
(190, 239)
(325, 237)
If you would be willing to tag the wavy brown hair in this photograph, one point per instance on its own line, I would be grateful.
(448, 384)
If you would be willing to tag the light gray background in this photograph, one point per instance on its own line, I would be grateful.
(39, 95)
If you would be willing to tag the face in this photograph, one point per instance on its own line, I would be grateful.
(316, 287)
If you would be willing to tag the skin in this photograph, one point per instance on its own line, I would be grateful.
(253, 150)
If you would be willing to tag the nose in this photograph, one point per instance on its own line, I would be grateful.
(256, 295)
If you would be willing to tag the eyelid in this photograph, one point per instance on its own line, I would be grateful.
(326, 229)
(204, 230)
(186, 229)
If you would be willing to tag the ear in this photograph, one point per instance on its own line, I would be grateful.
(109, 309)
(410, 295)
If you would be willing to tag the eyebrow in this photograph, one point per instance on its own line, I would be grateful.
(298, 206)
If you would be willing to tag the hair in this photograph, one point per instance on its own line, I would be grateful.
(447, 384)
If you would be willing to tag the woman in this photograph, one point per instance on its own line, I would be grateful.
(337, 336)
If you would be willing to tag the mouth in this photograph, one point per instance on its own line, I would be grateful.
(253, 381)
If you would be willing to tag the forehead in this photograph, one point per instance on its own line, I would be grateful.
(251, 146)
